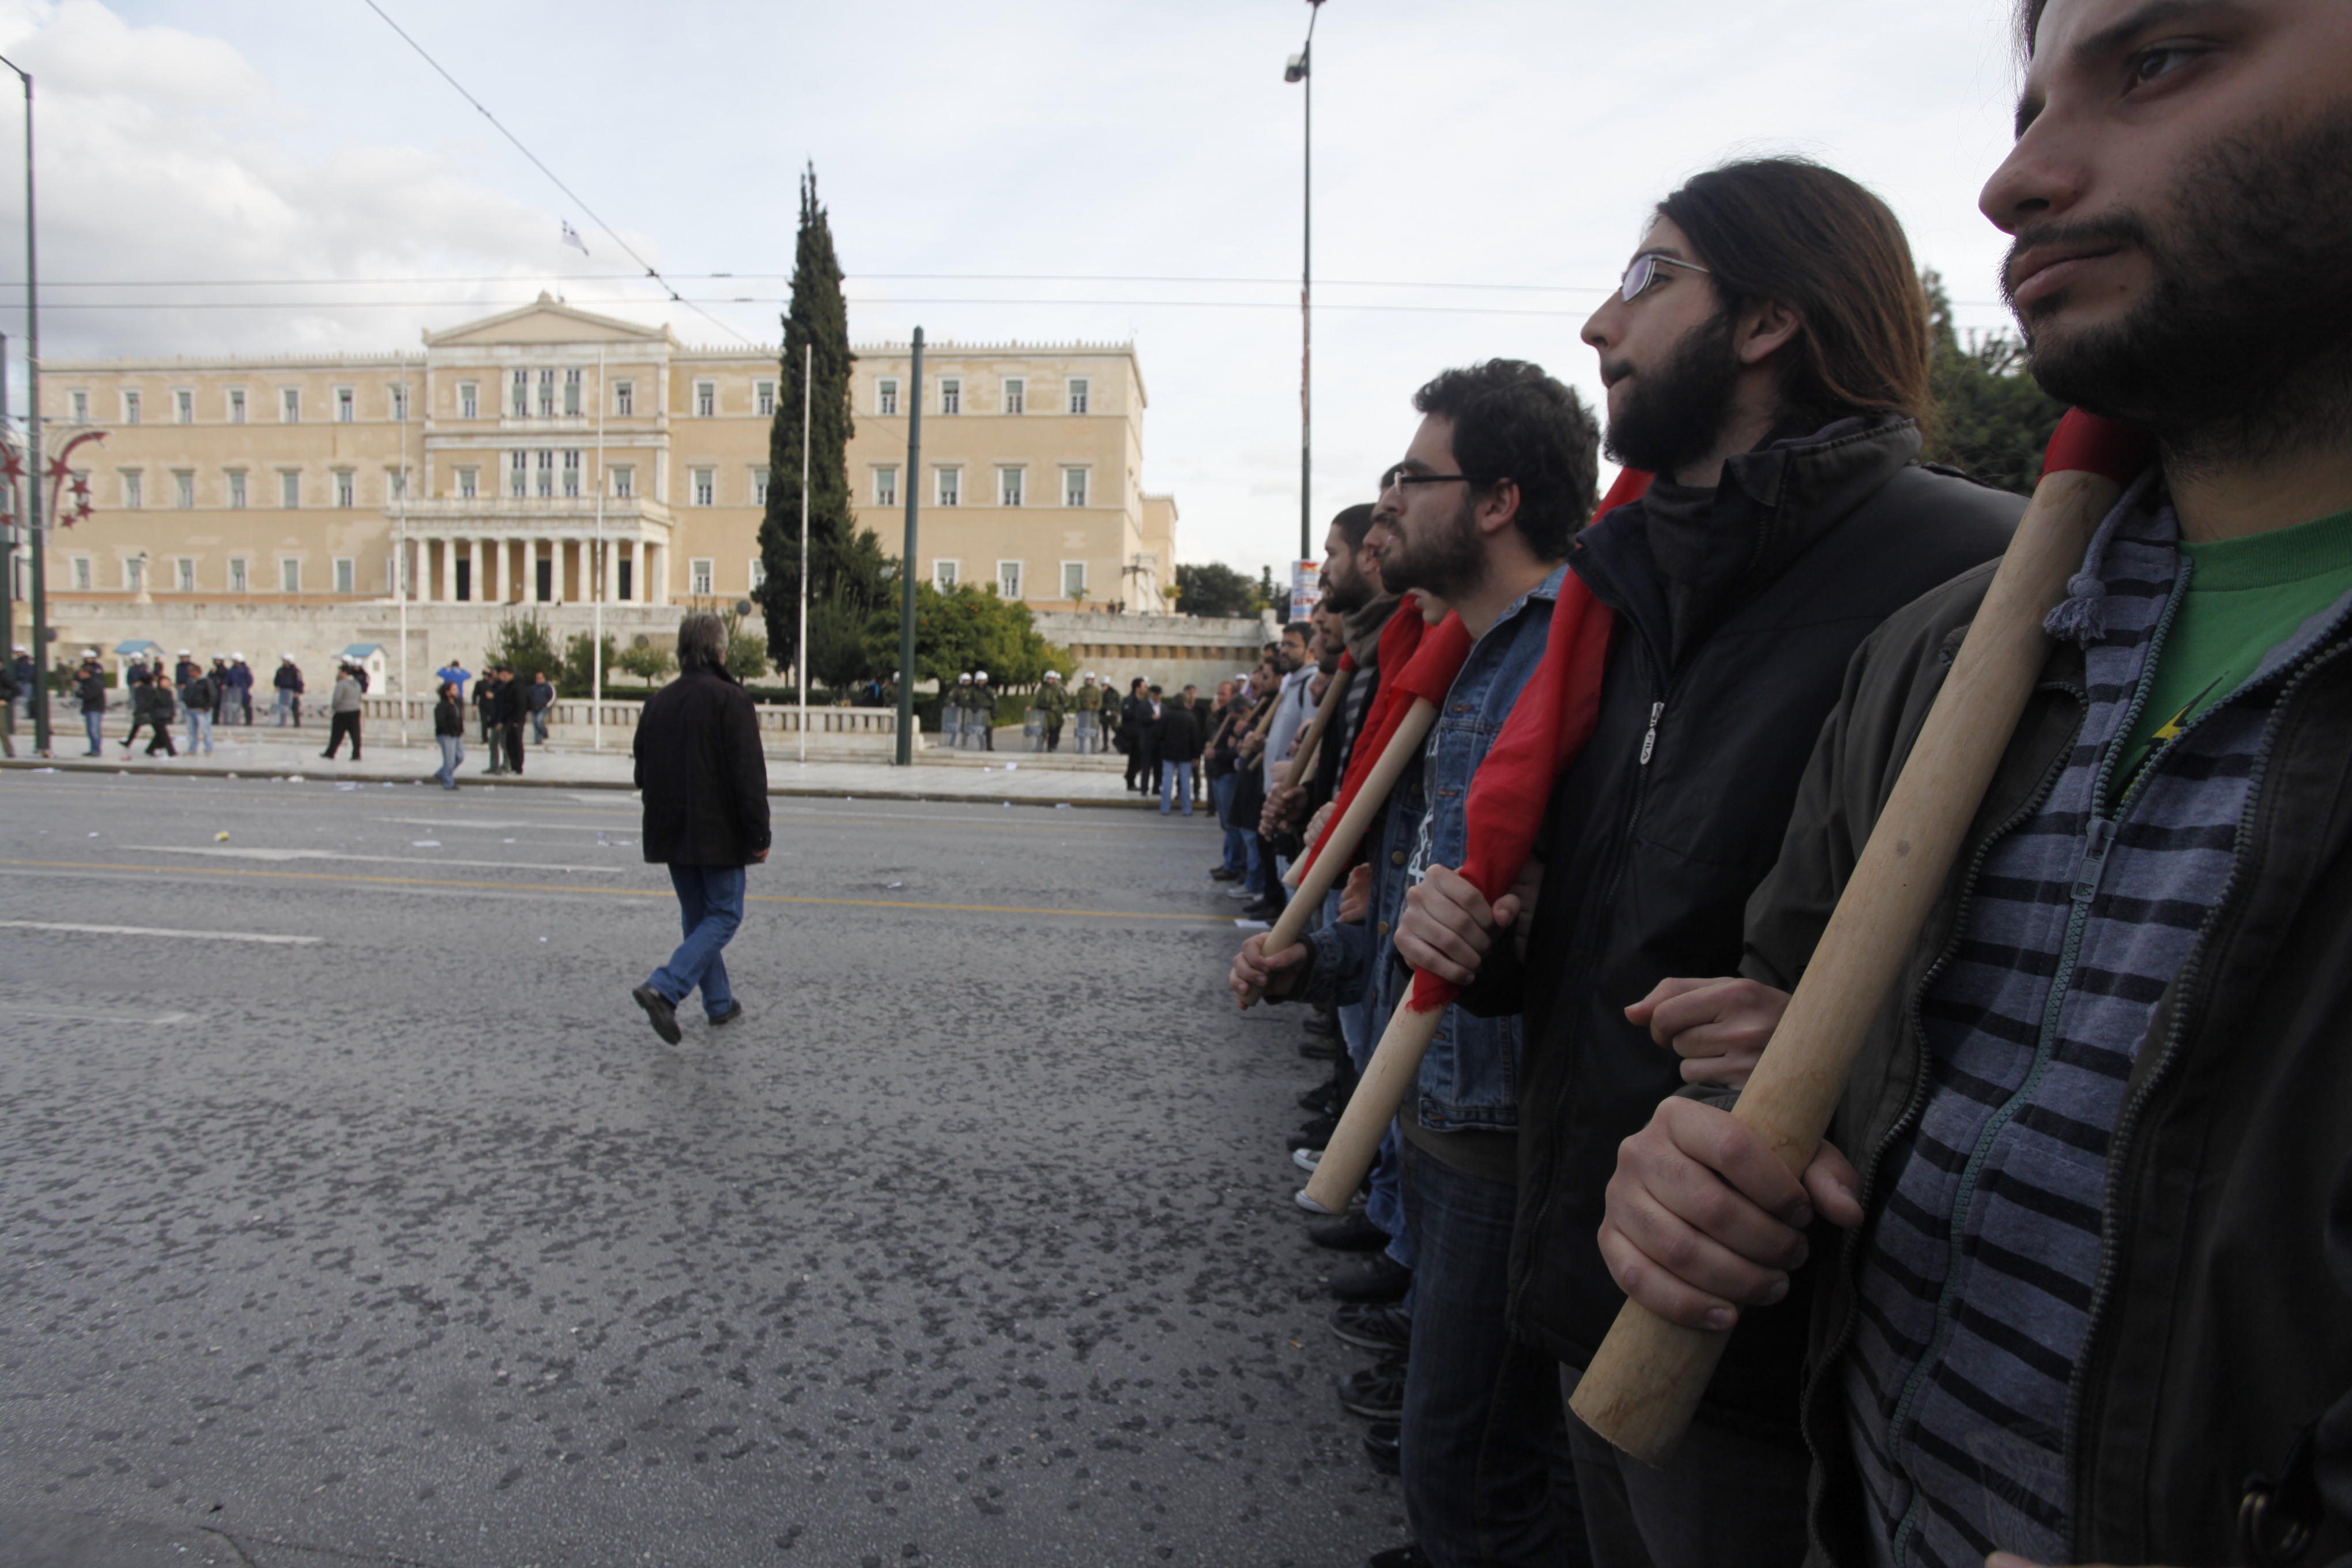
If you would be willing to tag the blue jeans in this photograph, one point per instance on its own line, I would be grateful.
(1384, 1202)
(709, 907)
(1487, 1477)
(95, 724)
(453, 752)
(1176, 783)
(200, 732)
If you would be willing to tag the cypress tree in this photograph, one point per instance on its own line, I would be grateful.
(846, 569)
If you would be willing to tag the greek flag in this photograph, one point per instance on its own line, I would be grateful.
(572, 237)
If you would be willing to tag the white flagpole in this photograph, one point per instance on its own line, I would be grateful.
(808, 383)
(596, 616)
(400, 561)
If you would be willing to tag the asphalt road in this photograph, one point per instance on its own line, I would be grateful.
(408, 1241)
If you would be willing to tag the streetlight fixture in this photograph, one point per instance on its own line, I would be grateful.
(1300, 69)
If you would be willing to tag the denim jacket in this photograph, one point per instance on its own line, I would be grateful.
(1470, 1078)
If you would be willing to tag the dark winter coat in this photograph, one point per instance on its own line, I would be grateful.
(1179, 732)
(1737, 612)
(447, 719)
(703, 774)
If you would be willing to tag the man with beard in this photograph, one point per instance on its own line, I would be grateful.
(1765, 358)
(2097, 1158)
(1497, 480)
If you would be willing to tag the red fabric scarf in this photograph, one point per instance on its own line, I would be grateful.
(1548, 726)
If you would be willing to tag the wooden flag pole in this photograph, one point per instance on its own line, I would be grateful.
(1356, 1142)
(1324, 868)
(1648, 1375)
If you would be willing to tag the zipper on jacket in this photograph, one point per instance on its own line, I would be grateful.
(2188, 995)
(1650, 739)
(1850, 1252)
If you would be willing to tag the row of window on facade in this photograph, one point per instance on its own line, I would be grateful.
(556, 393)
(551, 473)
(702, 575)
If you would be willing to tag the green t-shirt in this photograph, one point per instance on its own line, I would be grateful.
(2245, 597)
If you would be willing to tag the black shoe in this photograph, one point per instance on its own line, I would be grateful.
(1350, 1232)
(1315, 1050)
(1219, 874)
(1409, 1555)
(1323, 1021)
(1374, 1325)
(1323, 1100)
(1262, 910)
(1313, 1134)
(1379, 1278)
(734, 1011)
(1381, 1445)
(659, 1009)
(1377, 1392)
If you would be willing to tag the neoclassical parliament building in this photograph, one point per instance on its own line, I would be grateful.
(552, 456)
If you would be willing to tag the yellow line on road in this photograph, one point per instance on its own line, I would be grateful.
(616, 892)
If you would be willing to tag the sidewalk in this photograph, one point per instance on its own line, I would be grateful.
(1017, 777)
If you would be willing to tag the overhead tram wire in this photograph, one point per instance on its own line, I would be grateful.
(651, 271)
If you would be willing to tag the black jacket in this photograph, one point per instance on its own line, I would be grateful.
(704, 776)
(507, 702)
(446, 720)
(1179, 732)
(1737, 612)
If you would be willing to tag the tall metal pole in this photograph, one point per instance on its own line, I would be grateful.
(38, 540)
(400, 559)
(596, 616)
(907, 564)
(1306, 305)
(808, 386)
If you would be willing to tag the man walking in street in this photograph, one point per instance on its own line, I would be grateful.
(705, 785)
(510, 708)
(1180, 751)
(344, 716)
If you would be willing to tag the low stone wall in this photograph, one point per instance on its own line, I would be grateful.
(836, 729)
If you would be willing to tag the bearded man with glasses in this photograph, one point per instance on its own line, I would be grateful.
(1767, 359)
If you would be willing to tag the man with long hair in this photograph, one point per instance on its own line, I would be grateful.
(1765, 357)
(2095, 1161)
(705, 782)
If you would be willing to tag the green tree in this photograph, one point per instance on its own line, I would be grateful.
(576, 679)
(747, 652)
(962, 630)
(847, 578)
(524, 642)
(1215, 589)
(1992, 420)
(649, 664)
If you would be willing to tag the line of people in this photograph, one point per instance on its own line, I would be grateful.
(2072, 1278)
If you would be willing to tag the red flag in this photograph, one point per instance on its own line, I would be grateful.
(1434, 658)
(1548, 726)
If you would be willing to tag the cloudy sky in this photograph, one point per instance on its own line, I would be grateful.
(1047, 170)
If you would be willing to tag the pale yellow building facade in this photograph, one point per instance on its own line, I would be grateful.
(549, 455)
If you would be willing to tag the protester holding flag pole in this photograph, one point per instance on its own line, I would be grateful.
(1497, 478)
(1765, 356)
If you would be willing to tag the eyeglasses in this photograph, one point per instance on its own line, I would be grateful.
(1645, 272)
(1398, 479)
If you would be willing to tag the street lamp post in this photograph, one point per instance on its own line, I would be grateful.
(36, 541)
(1301, 70)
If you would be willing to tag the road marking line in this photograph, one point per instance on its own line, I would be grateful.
(48, 1015)
(159, 930)
(663, 893)
(379, 859)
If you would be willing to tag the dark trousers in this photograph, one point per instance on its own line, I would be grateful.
(158, 738)
(338, 726)
(1487, 1479)
(514, 747)
(1723, 1501)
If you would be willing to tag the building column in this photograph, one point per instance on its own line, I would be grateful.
(430, 581)
(656, 572)
(497, 581)
(479, 585)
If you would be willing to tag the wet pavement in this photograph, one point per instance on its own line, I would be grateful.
(350, 1210)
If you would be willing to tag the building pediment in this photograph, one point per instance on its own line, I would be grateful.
(547, 320)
